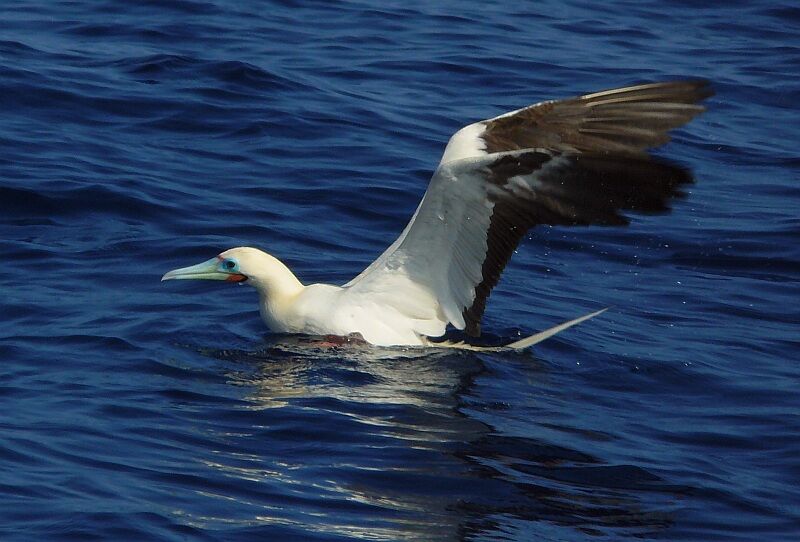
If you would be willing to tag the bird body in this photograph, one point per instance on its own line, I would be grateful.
(579, 161)
(386, 317)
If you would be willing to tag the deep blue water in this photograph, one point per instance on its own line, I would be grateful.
(136, 137)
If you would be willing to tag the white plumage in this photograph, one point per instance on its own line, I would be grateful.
(572, 162)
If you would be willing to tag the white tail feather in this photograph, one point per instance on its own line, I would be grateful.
(522, 343)
(546, 334)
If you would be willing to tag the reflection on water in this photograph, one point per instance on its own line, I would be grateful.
(378, 444)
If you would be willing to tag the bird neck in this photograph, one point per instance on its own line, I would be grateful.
(274, 280)
(278, 289)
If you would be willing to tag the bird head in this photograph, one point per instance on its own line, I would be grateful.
(234, 265)
(243, 264)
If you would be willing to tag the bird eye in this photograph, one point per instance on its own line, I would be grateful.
(229, 264)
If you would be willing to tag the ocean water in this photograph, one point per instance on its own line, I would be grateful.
(136, 137)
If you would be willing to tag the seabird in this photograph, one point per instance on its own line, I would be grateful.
(578, 161)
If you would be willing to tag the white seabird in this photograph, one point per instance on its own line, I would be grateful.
(578, 161)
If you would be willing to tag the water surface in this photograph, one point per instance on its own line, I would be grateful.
(139, 137)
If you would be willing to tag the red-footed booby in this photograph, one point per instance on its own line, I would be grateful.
(578, 161)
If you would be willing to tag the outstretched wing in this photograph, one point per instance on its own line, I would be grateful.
(573, 162)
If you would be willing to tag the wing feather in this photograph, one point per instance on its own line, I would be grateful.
(579, 161)
(637, 117)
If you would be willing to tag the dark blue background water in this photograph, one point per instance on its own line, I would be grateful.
(136, 137)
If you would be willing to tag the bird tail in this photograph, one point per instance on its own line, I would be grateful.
(522, 343)
(547, 333)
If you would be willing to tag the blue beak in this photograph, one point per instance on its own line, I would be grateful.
(208, 270)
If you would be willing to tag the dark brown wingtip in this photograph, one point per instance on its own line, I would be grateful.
(621, 121)
(675, 91)
(696, 90)
(705, 88)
